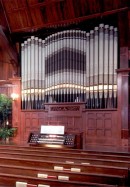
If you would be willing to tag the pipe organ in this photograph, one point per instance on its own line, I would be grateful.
(71, 66)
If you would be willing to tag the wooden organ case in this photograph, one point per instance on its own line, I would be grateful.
(61, 81)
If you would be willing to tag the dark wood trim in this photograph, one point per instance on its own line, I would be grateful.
(123, 70)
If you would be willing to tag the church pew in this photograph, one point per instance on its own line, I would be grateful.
(40, 148)
(10, 180)
(58, 152)
(112, 170)
(80, 160)
(125, 172)
(117, 172)
(71, 154)
(13, 151)
(67, 175)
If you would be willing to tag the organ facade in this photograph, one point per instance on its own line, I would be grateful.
(71, 66)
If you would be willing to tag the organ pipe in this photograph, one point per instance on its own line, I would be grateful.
(91, 66)
(25, 75)
(88, 70)
(68, 66)
(115, 64)
(84, 66)
(32, 71)
(49, 70)
(28, 71)
(106, 61)
(101, 64)
(71, 66)
(96, 65)
(43, 74)
(40, 73)
(111, 65)
(22, 75)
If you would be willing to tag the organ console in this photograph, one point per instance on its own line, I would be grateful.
(49, 138)
(66, 140)
(71, 66)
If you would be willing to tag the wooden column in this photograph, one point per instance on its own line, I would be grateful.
(16, 108)
(123, 105)
(123, 78)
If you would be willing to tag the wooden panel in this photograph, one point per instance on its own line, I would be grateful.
(123, 22)
(99, 132)
(100, 124)
(52, 15)
(91, 132)
(99, 115)
(42, 2)
(108, 133)
(70, 13)
(108, 123)
(22, 19)
(91, 123)
(28, 122)
(39, 16)
(14, 4)
(101, 129)
(94, 6)
(112, 4)
(3, 20)
(34, 122)
(32, 2)
(107, 115)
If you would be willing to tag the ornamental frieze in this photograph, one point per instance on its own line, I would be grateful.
(65, 108)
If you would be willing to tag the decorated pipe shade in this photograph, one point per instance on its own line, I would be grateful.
(71, 66)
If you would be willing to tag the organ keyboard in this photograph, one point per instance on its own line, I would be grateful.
(51, 139)
(66, 140)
